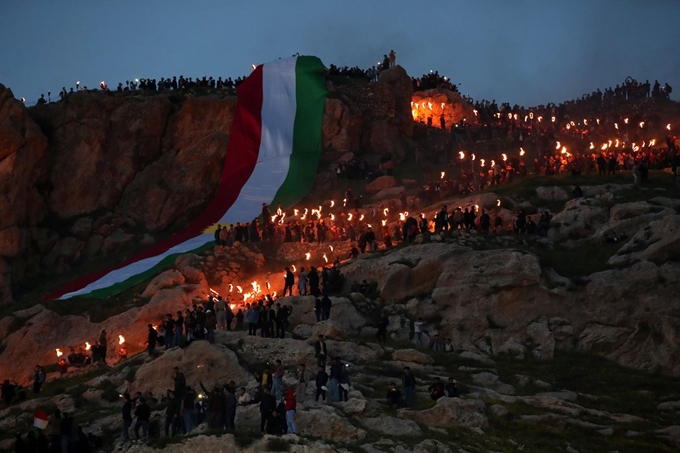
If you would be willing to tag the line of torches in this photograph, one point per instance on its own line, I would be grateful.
(88, 346)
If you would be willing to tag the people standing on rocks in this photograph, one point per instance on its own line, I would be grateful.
(409, 382)
(321, 380)
(267, 406)
(229, 408)
(326, 305)
(221, 313)
(291, 408)
(320, 351)
(302, 381)
(143, 414)
(393, 58)
(418, 327)
(103, 344)
(189, 409)
(126, 415)
(289, 282)
(152, 339)
(172, 413)
(169, 331)
(277, 385)
(39, 377)
(302, 282)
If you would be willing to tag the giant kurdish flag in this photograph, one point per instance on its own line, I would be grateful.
(272, 157)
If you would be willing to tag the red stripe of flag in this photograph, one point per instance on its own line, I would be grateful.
(240, 160)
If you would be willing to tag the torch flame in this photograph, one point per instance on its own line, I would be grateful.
(384, 222)
(552, 119)
(558, 145)
(121, 339)
(332, 216)
(239, 289)
(461, 154)
(540, 119)
(332, 203)
(652, 142)
(325, 258)
(443, 105)
(625, 120)
(87, 346)
(344, 201)
(603, 147)
(231, 287)
(441, 176)
(498, 202)
(361, 218)
(473, 157)
(668, 126)
(349, 217)
(564, 150)
(504, 157)
(59, 353)
(429, 105)
(482, 161)
(616, 126)
(308, 256)
(642, 124)
(385, 211)
(592, 146)
(330, 247)
(521, 151)
(296, 212)
(294, 268)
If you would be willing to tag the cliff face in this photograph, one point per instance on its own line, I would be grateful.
(98, 171)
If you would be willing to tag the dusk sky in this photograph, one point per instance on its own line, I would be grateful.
(525, 52)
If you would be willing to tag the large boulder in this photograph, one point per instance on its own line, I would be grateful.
(392, 426)
(450, 413)
(658, 242)
(165, 279)
(200, 362)
(380, 183)
(411, 355)
(325, 422)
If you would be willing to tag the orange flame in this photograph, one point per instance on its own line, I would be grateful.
(498, 202)
(332, 203)
(521, 152)
(384, 222)
(385, 211)
(349, 217)
(59, 353)
(361, 218)
(558, 145)
(121, 339)
(504, 157)
(441, 176)
(668, 126)
(330, 247)
(325, 258)
(461, 154)
(308, 256)
(482, 161)
(592, 146)
(294, 268)
(87, 346)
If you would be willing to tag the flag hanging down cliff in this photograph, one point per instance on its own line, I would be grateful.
(273, 154)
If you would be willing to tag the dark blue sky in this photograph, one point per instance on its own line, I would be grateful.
(525, 52)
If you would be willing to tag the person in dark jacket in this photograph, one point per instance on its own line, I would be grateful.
(189, 409)
(143, 414)
(452, 390)
(152, 339)
(321, 381)
(215, 409)
(320, 351)
(289, 282)
(393, 396)
(229, 408)
(127, 416)
(172, 413)
(382, 327)
(267, 406)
